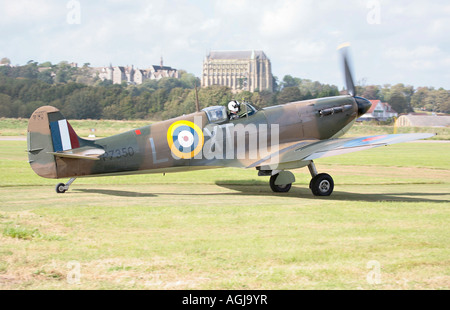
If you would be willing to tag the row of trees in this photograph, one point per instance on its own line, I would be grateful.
(406, 99)
(80, 95)
(402, 98)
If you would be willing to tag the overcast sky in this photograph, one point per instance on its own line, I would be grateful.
(392, 41)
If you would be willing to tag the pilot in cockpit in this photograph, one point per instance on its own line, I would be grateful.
(234, 107)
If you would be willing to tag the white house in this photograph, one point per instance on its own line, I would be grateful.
(379, 111)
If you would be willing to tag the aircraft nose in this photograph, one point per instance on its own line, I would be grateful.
(363, 105)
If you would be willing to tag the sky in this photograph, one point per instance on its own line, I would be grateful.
(392, 41)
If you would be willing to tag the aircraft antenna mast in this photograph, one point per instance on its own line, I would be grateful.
(197, 105)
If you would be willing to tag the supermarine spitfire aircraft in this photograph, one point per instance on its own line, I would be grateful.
(297, 133)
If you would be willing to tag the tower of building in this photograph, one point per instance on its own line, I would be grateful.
(239, 70)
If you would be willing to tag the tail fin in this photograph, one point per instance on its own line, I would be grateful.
(48, 132)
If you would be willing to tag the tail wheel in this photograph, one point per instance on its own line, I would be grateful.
(279, 188)
(61, 188)
(322, 185)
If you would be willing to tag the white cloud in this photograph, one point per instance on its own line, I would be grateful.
(420, 58)
(25, 11)
(300, 37)
(283, 20)
(408, 54)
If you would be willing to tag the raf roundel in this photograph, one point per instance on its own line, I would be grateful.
(185, 139)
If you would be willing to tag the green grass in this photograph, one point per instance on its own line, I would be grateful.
(26, 233)
(20, 233)
(225, 229)
(105, 128)
(364, 129)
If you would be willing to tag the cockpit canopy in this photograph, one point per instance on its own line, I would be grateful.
(247, 110)
(216, 114)
(219, 114)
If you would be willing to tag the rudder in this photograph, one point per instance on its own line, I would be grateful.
(48, 132)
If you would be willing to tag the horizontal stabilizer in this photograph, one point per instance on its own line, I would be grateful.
(86, 152)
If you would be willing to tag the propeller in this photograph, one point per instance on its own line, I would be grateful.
(347, 71)
(363, 104)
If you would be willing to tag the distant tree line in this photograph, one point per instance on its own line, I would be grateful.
(405, 99)
(80, 95)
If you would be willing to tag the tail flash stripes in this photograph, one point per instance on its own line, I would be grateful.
(63, 136)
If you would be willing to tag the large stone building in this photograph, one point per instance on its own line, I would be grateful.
(131, 75)
(239, 70)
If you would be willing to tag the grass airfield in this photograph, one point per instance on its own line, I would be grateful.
(386, 226)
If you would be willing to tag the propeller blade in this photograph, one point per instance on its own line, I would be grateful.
(350, 85)
(362, 103)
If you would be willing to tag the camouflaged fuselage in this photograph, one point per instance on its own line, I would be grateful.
(161, 147)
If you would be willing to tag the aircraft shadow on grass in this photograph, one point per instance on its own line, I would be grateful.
(259, 188)
(115, 193)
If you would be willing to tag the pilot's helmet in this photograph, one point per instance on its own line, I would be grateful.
(233, 106)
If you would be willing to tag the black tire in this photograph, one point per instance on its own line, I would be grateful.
(279, 188)
(60, 188)
(322, 185)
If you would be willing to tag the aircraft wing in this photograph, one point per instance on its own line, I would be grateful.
(313, 149)
(86, 152)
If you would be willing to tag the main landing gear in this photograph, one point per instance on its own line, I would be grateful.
(61, 188)
(321, 184)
